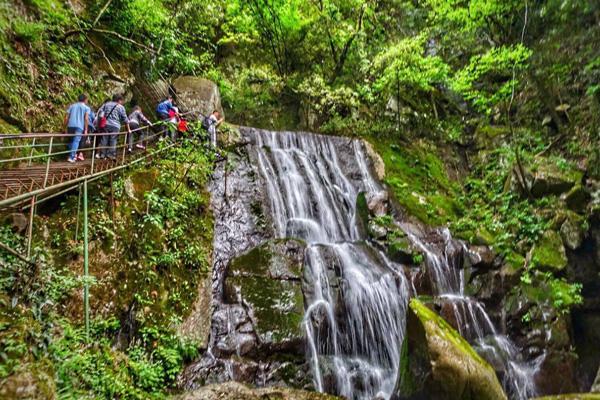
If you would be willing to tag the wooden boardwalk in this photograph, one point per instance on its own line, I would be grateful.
(17, 182)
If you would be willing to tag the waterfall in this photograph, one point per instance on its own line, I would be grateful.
(355, 312)
(473, 322)
(355, 298)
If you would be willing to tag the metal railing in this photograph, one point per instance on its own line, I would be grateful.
(40, 164)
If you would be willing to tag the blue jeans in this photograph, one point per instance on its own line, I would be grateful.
(108, 143)
(74, 145)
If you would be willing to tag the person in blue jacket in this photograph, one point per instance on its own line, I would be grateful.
(163, 109)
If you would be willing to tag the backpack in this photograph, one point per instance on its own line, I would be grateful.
(182, 126)
(172, 113)
(206, 122)
(103, 119)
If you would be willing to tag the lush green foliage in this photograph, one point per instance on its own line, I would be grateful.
(148, 259)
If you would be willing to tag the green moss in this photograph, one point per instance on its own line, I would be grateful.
(419, 181)
(431, 321)
(549, 252)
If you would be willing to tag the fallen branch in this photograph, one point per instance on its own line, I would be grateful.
(108, 32)
(14, 253)
(102, 11)
(103, 53)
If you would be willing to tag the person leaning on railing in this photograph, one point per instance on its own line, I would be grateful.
(114, 114)
(76, 124)
(136, 120)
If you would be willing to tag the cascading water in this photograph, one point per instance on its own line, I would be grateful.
(355, 313)
(355, 298)
(472, 320)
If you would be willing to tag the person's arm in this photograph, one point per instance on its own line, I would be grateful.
(219, 122)
(86, 122)
(145, 120)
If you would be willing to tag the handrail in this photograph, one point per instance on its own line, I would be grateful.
(32, 135)
(20, 185)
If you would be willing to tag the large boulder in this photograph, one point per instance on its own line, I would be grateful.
(437, 363)
(237, 391)
(267, 280)
(198, 95)
(549, 179)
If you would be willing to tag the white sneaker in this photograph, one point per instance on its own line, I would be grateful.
(71, 160)
(98, 155)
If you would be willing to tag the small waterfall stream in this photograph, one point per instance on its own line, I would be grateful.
(473, 322)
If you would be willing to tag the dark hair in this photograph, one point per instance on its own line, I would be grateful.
(216, 111)
(82, 97)
(117, 98)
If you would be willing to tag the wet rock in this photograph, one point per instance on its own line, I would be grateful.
(482, 257)
(198, 94)
(401, 250)
(572, 231)
(377, 231)
(439, 364)
(378, 164)
(577, 198)
(549, 253)
(238, 391)
(377, 203)
(362, 214)
(556, 373)
(267, 281)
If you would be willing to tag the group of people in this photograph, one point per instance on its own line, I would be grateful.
(81, 121)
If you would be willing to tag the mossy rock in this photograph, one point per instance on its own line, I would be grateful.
(549, 179)
(549, 253)
(572, 230)
(490, 137)
(267, 279)
(577, 198)
(437, 363)
(401, 250)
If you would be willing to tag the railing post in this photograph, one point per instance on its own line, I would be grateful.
(48, 161)
(124, 148)
(30, 226)
(93, 154)
(86, 287)
(31, 152)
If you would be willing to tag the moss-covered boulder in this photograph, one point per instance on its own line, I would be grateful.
(237, 391)
(549, 253)
(549, 179)
(267, 280)
(437, 363)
